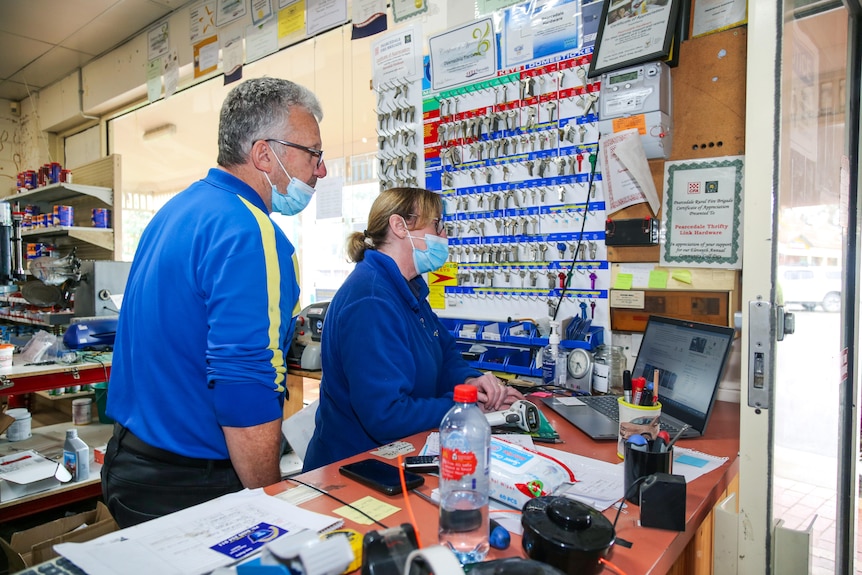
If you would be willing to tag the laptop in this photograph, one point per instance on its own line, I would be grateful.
(691, 358)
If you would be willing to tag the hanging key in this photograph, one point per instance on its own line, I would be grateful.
(533, 277)
(542, 248)
(591, 99)
(582, 131)
(512, 119)
(552, 279)
(592, 310)
(531, 117)
(581, 249)
(530, 164)
(561, 247)
(543, 166)
(569, 278)
(562, 277)
(593, 278)
(560, 164)
(582, 75)
(552, 109)
(527, 87)
(593, 249)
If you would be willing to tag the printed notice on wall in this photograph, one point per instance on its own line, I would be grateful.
(464, 54)
(397, 56)
(702, 215)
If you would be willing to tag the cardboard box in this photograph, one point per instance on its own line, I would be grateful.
(24, 473)
(33, 546)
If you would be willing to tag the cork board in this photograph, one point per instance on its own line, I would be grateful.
(708, 115)
(709, 96)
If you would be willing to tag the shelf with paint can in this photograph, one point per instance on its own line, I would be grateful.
(98, 237)
(61, 192)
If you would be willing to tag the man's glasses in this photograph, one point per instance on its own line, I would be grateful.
(316, 153)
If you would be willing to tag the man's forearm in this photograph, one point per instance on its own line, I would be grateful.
(255, 452)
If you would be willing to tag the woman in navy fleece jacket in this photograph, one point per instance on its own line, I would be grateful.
(389, 365)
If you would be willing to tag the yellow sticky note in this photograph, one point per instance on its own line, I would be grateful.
(437, 297)
(683, 276)
(370, 505)
(657, 279)
(623, 281)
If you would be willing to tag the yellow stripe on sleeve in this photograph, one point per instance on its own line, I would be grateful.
(273, 290)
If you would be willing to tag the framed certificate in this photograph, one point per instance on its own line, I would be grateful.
(633, 31)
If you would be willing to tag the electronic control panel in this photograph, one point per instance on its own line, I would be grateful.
(639, 97)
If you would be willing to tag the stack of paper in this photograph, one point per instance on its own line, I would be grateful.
(198, 539)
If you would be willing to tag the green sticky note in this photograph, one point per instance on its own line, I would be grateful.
(658, 279)
(683, 276)
(623, 281)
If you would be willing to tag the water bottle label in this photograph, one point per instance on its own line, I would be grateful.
(455, 464)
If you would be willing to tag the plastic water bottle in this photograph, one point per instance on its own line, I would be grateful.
(76, 456)
(465, 445)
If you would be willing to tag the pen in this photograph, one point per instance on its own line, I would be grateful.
(627, 386)
(655, 386)
(637, 389)
(16, 460)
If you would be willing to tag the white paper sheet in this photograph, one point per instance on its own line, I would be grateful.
(182, 543)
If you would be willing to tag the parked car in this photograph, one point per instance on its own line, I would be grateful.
(810, 286)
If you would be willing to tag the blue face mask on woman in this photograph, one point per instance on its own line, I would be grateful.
(434, 255)
(297, 197)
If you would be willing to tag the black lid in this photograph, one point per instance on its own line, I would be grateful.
(568, 524)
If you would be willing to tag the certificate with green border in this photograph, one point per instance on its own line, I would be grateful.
(702, 213)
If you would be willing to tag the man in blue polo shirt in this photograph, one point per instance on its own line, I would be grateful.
(199, 372)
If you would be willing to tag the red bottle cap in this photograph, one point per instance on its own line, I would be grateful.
(466, 393)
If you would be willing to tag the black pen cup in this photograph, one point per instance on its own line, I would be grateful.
(639, 464)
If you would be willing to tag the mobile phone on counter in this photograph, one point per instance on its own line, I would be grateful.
(422, 463)
(380, 476)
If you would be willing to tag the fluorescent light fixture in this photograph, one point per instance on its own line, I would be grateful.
(160, 131)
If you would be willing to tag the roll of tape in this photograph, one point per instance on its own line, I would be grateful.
(439, 559)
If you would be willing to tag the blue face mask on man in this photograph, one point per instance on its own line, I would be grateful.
(434, 255)
(295, 199)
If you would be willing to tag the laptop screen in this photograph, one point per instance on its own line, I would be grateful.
(690, 358)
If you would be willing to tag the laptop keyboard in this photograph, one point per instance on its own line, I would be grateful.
(609, 406)
(55, 566)
(606, 404)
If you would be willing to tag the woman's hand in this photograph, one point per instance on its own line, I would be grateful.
(494, 395)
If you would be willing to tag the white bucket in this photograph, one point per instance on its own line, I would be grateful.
(19, 430)
(6, 350)
(82, 411)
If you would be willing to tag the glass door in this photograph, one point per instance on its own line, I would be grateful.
(795, 470)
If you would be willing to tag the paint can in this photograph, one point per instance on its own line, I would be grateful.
(101, 218)
(64, 216)
(19, 430)
(82, 411)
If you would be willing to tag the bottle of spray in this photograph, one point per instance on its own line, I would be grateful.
(554, 359)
